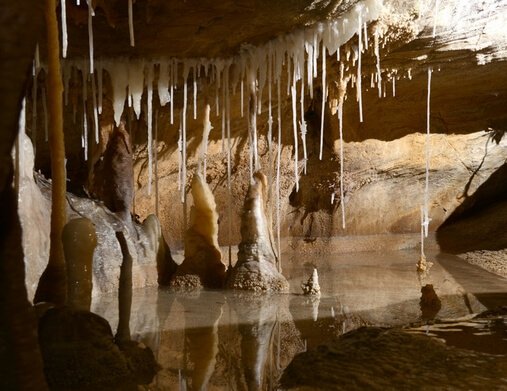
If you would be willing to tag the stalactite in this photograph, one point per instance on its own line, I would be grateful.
(99, 81)
(343, 88)
(278, 163)
(377, 55)
(91, 13)
(295, 131)
(359, 66)
(302, 123)
(52, 285)
(63, 10)
(205, 135)
(131, 24)
(34, 103)
(155, 158)
(195, 91)
(149, 114)
(427, 220)
(323, 109)
(95, 112)
(173, 65)
(184, 139)
(229, 173)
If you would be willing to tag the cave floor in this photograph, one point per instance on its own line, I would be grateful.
(227, 340)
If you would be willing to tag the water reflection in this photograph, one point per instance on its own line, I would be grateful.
(222, 340)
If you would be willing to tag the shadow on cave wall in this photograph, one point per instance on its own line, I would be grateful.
(479, 222)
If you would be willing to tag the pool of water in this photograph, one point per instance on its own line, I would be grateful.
(220, 340)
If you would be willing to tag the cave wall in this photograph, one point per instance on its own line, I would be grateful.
(384, 155)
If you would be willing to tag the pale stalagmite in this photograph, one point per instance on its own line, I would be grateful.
(79, 241)
(202, 265)
(256, 268)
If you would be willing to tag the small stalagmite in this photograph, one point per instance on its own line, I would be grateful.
(256, 269)
(113, 180)
(79, 242)
(202, 266)
(312, 287)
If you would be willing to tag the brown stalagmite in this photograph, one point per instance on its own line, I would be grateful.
(52, 286)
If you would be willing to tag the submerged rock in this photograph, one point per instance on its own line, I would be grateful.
(256, 268)
(202, 265)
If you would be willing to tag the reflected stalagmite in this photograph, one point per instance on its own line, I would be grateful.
(430, 303)
(124, 292)
(202, 265)
(259, 317)
(256, 268)
(79, 241)
(201, 343)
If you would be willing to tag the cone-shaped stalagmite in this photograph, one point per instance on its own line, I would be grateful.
(52, 285)
(256, 267)
(202, 265)
(79, 241)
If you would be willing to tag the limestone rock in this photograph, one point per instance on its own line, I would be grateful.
(256, 268)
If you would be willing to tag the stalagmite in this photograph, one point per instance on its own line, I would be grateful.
(91, 13)
(149, 114)
(394, 85)
(312, 287)
(79, 242)
(256, 268)
(295, 132)
(202, 266)
(323, 109)
(359, 66)
(427, 220)
(64, 28)
(131, 24)
(252, 109)
(52, 285)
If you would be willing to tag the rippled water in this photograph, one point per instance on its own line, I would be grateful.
(221, 340)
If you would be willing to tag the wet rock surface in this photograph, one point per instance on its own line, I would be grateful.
(376, 359)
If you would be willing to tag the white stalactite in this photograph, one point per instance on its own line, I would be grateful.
(359, 66)
(195, 90)
(427, 220)
(377, 55)
(149, 114)
(205, 136)
(131, 24)
(295, 131)
(323, 108)
(278, 164)
(91, 13)
(95, 112)
(63, 8)
(184, 136)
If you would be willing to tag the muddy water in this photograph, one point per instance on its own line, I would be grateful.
(219, 340)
